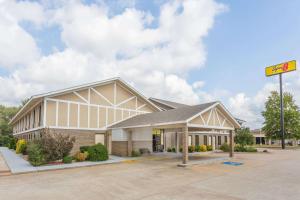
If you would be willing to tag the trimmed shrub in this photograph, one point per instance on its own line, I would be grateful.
(240, 148)
(79, 157)
(67, 159)
(55, 145)
(203, 148)
(251, 149)
(209, 148)
(35, 154)
(144, 151)
(135, 153)
(5, 140)
(21, 146)
(225, 147)
(197, 148)
(84, 148)
(169, 149)
(97, 152)
(191, 149)
(13, 143)
(173, 149)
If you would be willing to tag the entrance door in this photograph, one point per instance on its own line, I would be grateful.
(158, 140)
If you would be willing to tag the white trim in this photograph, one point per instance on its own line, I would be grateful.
(203, 111)
(216, 111)
(125, 101)
(115, 100)
(147, 125)
(81, 97)
(224, 121)
(141, 107)
(78, 115)
(74, 128)
(230, 115)
(29, 130)
(101, 95)
(212, 127)
(203, 120)
(153, 99)
(56, 113)
(207, 132)
(89, 98)
(209, 116)
(136, 103)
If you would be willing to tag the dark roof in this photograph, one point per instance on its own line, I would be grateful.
(166, 105)
(168, 116)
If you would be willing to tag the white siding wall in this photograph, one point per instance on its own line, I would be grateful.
(142, 134)
(119, 135)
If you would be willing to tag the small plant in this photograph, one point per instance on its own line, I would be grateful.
(169, 149)
(13, 143)
(97, 152)
(135, 153)
(180, 149)
(203, 148)
(197, 148)
(173, 149)
(84, 148)
(144, 151)
(67, 159)
(251, 149)
(35, 154)
(240, 148)
(79, 157)
(225, 147)
(191, 149)
(209, 148)
(21, 146)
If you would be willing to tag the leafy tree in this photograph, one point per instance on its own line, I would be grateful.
(272, 117)
(243, 137)
(6, 113)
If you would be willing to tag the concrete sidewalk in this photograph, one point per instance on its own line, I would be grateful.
(18, 165)
(4, 170)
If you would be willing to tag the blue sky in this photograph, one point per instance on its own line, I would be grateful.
(187, 51)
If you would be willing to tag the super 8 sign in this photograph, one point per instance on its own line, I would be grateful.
(281, 68)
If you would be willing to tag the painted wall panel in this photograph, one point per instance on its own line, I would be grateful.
(93, 117)
(107, 91)
(62, 114)
(73, 115)
(83, 116)
(51, 113)
(102, 117)
(69, 97)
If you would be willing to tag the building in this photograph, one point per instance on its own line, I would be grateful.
(115, 114)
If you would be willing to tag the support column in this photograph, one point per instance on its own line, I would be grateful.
(185, 156)
(231, 143)
(107, 141)
(177, 142)
(213, 142)
(129, 144)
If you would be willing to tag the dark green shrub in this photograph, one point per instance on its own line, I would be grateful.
(225, 147)
(97, 152)
(135, 153)
(13, 143)
(209, 148)
(173, 149)
(191, 149)
(180, 149)
(197, 148)
(5, 140)
(67, 159)
(251, 149)
(240, 148)
(84, 149)
(169, 149)
(35, 154)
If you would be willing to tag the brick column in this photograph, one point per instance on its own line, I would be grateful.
(129, 144)
(107, 141)
(231, 143)
(177, 142)
(185, 155)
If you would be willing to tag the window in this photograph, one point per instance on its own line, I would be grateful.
(225, 138)
(33, 122)
(197, 140)
(205, 139)
(219, 140)
(190, 140)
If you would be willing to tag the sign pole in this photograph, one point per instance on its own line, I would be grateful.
(281, 114)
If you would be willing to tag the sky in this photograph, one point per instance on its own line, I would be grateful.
(191, 51)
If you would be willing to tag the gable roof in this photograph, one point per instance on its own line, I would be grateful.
(177, 115)
(181, 114)
(35, 99)
(166, 105)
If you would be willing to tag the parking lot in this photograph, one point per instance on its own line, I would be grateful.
(273, 175)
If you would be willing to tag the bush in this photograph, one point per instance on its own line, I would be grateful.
(79, 157)
(173, 149)
(84, 149)
(97, 152)
(225, 147)
(21, 146)
(197, 148)
(240, 148)
(144, 151)
(35, 154)
(203, 148)
(191, 149)
(169, 149)
(13, 143)
(180, 149)
(5, 140)
(209, 148)
(135, 153)
(251, 149)
(244, 137)
(67, 159)
(56, 146)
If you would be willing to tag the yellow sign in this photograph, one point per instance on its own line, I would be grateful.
(281, 68)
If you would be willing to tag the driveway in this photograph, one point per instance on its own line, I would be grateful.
(274, 175)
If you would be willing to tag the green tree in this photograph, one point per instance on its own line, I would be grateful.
(6, 114)
(272, 117)
(243, 137)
